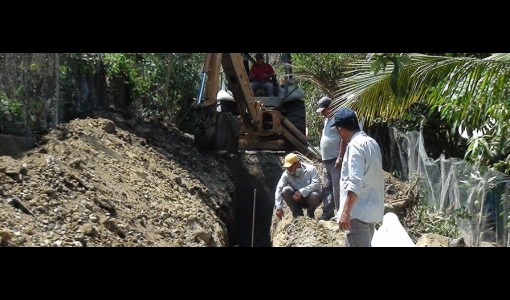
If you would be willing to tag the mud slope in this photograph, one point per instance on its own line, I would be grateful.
(112, 180)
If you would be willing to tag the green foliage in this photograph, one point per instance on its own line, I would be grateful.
(398, 60)
(443, 224)
(24, 86)
(323, 69)
(9, 107)
(491, 147)
(470, 93)
(490, 150)
(74, 69)
(10, 112)
(476, 55)
(318, 74)
(162, 85)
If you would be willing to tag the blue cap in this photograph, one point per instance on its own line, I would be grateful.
(344, 116)
(323, 103)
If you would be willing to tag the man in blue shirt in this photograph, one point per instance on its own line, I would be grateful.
(361, 182)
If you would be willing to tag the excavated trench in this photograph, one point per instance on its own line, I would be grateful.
(255, 174)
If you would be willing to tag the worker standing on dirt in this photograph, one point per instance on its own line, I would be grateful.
(299, 186)
(260, 75)
(332, 151)
(361, 182)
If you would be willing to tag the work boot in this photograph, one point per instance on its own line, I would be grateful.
(326, 217)
(297, 214)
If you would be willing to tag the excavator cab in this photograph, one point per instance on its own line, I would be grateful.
(231, 116)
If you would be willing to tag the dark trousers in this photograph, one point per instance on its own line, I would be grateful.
(310, 202)
(330, 188)
(360, 234)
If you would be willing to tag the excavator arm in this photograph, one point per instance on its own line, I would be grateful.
(239, 85)
(255, 127)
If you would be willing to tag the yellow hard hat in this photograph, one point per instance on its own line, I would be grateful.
(290, 159)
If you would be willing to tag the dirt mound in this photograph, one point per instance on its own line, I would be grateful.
(112, 180)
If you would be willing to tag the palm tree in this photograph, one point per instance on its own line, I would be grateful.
(318, 74)
(470, 93)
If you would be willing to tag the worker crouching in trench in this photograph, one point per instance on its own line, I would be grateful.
(299, 186)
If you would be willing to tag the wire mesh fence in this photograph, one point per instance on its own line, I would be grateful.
(453, 185)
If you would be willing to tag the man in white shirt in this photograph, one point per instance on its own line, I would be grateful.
(299, 186)
(332, 151)
(361, 182)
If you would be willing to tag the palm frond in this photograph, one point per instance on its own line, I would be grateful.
(499, 56)
(472, 84)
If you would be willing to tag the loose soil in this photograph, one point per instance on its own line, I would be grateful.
(110, 180)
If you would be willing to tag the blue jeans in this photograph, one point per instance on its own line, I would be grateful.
(267, 86)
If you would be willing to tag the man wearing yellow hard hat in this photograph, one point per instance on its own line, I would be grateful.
(299, 186)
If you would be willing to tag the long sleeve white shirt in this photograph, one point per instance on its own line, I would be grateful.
(308, 181)
(362, 173)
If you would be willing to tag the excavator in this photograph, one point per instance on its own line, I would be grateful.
(232, 117)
